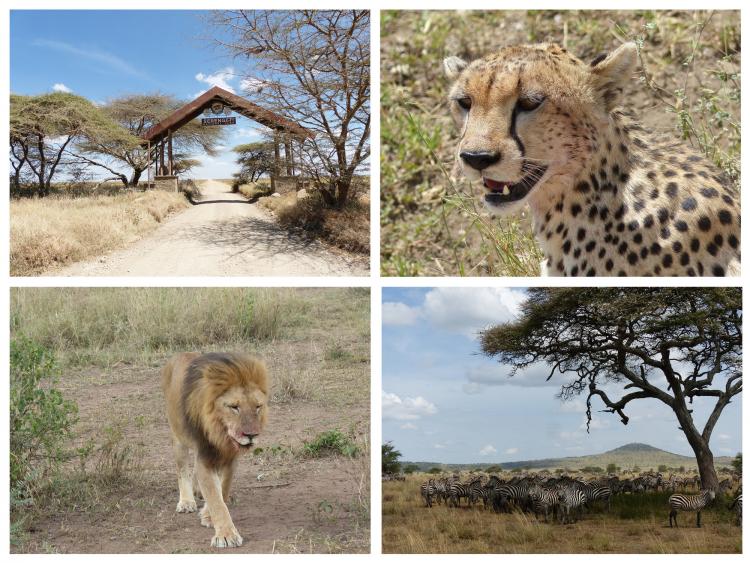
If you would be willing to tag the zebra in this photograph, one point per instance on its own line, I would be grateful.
(457, 491)
(511, 493)
(427, 490)
(689, 503)
(571, 499)
(737, 507)
(543, 500)
(596, 491)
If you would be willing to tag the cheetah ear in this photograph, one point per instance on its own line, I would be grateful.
(611, 72)
(453, 66)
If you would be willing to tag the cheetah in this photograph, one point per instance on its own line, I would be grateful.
(608, 198)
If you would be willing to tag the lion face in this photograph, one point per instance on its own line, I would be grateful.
(243, 413)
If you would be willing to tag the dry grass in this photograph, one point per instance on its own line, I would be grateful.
(348, 229)
(432, 225)
(410, 527)
(54, 231)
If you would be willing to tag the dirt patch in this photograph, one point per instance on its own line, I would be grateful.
(283, 501)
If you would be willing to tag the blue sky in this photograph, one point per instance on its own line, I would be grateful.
(105, 54)
(444, 402)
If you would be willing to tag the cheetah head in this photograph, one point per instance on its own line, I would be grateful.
(529, 115)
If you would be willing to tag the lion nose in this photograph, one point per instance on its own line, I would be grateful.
(249, 435)
(480, 160)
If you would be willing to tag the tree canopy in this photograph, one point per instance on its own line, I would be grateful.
(669, 344)
(255, 160)
(43, 129)
(390, 459)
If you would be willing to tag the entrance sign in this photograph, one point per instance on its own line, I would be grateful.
(218, 121)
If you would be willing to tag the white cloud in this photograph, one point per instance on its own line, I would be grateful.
(408, 408)
(468, 310)
(219, 78)
(575, 406)
(439, 446)
(399, 314)
(252, 84)
(511, 451)
(596, 424)
(724, 437)
(408, 426)
(497, 374)
(114, 62)
(489, 449)
(60, 87)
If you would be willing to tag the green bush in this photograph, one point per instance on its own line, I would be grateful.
(331, 442)
(40, 421)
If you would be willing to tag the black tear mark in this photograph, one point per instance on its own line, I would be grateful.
(599, 58)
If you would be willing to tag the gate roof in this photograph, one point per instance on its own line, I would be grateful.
(236, 103)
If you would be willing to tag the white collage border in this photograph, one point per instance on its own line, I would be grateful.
(374, 281)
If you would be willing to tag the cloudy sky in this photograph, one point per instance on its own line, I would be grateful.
(444, 402)
(102, 54)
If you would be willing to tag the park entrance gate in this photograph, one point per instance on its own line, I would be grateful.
(217, 103)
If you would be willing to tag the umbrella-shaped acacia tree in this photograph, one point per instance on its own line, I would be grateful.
(675, 345)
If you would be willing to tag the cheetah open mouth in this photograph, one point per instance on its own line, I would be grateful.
(500, 193)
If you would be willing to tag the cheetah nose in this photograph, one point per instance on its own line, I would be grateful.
(481, 159)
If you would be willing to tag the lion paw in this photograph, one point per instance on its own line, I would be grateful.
(205, 517)
(187, 506)
(230, 539)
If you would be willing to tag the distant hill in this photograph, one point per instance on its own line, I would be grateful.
(628, 456)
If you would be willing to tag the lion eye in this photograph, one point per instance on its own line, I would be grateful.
(464, 102)
(530, 103)
(235, 408)
(257, 409)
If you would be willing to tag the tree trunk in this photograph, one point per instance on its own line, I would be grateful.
(703, 455)
(135, 178)
(706, 469)
(343, 192)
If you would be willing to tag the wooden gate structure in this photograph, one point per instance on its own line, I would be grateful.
(158, 139)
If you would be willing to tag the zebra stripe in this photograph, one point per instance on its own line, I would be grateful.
(689, 503)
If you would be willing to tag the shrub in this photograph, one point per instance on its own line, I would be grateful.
(40, 420)
(331, 442)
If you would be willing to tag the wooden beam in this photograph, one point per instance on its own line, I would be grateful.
(161, 158)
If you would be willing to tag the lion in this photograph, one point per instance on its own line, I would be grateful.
(217, 404)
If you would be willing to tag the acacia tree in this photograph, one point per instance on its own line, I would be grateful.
(390, 459)
(313, 67)
(44, 128)
(255, 159)
(674, 345)
(137, 113)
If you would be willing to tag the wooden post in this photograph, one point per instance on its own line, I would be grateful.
(170, 154)
(291, 154)
(275, 172)
(148, 155)
(161, 158)
(288, 156)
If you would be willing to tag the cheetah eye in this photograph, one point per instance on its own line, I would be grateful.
(530, 103)
(464, 102)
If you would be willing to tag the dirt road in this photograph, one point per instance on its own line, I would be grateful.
(222, 235)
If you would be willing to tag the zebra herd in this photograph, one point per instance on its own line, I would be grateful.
(563, 498)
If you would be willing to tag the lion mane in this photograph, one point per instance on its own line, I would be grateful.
(207, 378)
